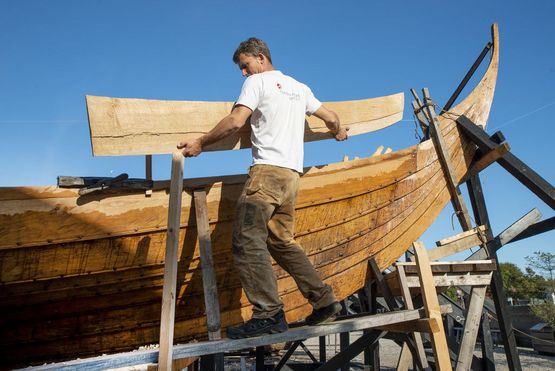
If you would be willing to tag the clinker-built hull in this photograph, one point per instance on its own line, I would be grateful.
(83, 276)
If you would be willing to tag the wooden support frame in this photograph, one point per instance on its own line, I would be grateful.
(405, 359)
(443, 155)
(526, 175)
(170, 264)
(431, 305)
(458, 243)
(503, 316)
(472, 323)
(211, 300)
(225, 345)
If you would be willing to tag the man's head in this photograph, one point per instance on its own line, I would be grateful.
(253, 56)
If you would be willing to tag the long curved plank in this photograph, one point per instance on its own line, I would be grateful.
(125, 126)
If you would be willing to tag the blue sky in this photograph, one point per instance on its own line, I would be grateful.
(54, 52)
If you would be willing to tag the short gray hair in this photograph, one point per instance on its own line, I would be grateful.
(252, 46)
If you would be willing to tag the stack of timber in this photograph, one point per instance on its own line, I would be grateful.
(83, 275)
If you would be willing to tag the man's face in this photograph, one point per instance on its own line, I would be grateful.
(250, 65)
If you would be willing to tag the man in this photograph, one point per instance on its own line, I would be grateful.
(264, 220)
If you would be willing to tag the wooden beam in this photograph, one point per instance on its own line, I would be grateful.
(404, 359)
(508, 234)
(170, 264)
(499, 298)
(431, 305)
(488, 360)
(471, 325)
(427, 325)
(536, 228)
(448, 240)
(124, 126)
(209, 283)
(226, 345)
(148, 167)
(487, 159)
(467, 77)
(211, 301)
(458, 243)
(446, 165)
(526, 175)
(382, 284)
(341, 359)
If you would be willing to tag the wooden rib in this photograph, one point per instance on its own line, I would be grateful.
(123, 126)
(378, 151)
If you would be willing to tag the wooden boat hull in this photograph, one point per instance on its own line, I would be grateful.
(95, 286)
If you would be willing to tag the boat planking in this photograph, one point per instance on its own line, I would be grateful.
(83, 275)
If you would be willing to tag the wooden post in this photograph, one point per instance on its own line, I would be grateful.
(405, 359)
(170, 265)
(344, 337)
(148, 167)
(445, 160)
(386, 292)
(211, 301)
(488, 361)
(431, 305)
(503, 317)
(210, 286)
(471, 325)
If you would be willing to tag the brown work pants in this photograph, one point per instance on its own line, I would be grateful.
(264, 228)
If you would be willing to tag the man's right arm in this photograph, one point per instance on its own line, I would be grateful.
(331, 120)
(227, 126)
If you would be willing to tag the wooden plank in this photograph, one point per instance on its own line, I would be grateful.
(447, 281)
(508, 234)
(169, 293)
(123, 126)
(427, 325)
(446, 164)
(226, 345)
(382, 284)
(341, 359)
(471, 325)
(490, 157)
(522, 172)
(405, 359)
(535, 229)
(448, 240)
(211, 301)
(488, 359)
(431, 305)
(456, 246)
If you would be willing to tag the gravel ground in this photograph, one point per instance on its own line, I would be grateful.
(389, 354)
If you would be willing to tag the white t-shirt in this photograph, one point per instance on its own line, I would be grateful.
(279, 104)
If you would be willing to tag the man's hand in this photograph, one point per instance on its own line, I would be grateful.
(191, 148)
(342, 134)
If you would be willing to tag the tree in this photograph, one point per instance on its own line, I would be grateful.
(545, 263)
(513, 280)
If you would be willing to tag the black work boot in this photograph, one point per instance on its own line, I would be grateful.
(325, 314)
(257, 326)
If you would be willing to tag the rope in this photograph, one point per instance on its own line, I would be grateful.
(534, 337)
